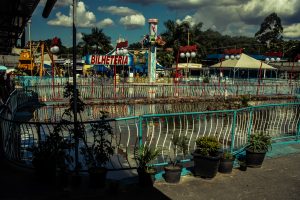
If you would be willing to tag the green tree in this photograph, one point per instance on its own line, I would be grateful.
(164, 58)
(270, 30)
(135, 46)
(96, 42)
(183, 34)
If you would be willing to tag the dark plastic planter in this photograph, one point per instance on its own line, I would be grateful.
(146, 179)
(206, 166)
(226, 165)
(172, 174)
(97, 177)
(254, 159)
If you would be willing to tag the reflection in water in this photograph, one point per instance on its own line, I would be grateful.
(53, 113)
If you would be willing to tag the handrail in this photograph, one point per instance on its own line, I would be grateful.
(231, 127)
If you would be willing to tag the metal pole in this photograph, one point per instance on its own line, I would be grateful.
(75, 88)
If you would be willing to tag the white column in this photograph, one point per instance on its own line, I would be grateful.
(152, 50)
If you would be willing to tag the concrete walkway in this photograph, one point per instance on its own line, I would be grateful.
(279, 178)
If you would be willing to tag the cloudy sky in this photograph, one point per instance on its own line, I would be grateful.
(129, 18)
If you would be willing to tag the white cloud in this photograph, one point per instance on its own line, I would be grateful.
(79, 36)
(188, 19)
(133, 21)
(114, 10)
(264, 8)
(84, 18)
(234, 17)
(292, 31)
(105, 23)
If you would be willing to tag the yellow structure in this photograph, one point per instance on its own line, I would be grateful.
(26, 61)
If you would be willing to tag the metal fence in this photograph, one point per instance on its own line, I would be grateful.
(98, 89)
(231, 127)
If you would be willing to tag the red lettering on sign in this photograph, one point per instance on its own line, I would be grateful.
(120, 60)
(107, 60)
(92, 59)
(125, 60)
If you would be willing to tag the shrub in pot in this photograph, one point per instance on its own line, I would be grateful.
(173, 170)
(49, 156)
(206, 157)
(226, 162)
(99, 152)
(144, 155)
(258, 146)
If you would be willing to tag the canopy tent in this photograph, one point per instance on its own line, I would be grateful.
(244, 62)
(3, 68)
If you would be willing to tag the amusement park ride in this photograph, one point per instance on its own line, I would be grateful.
(29, 62)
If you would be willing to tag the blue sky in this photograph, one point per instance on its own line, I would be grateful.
(129, 18)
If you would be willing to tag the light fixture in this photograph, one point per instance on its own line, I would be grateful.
(54, 49)
(188, 54)
(121, 51)
(272, 59)
(193, 54)
(232, 57)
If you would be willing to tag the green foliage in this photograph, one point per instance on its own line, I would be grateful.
(69, 93)
(96, 42)
(98, 154)
(207, 146)
(52, 151)
(227, 155)
(259, 142)
(206, 80)
(270, 30)
(144, 155)
(135, 46)
(165, 59)
(179, 143)
(245, 100)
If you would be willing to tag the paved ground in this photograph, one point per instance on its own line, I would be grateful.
(279, 178)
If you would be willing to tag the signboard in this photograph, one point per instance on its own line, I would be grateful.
(109, 60)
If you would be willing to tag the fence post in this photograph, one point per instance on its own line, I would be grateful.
(140, 131)
(233, 131)
(250, 124)
(298, 131)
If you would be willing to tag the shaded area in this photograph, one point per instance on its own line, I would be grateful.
(21, 184)
(279, 178)
(14, 15)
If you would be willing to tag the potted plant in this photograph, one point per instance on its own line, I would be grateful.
(99, 152)
(144, 155)
(49, 156)
(226, 162)
(173, 171)
(256, 150)
(206, 157)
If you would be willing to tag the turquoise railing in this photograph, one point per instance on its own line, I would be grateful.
(231, 127)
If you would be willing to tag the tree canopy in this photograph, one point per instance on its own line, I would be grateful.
(96, 42)
(270, 30)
